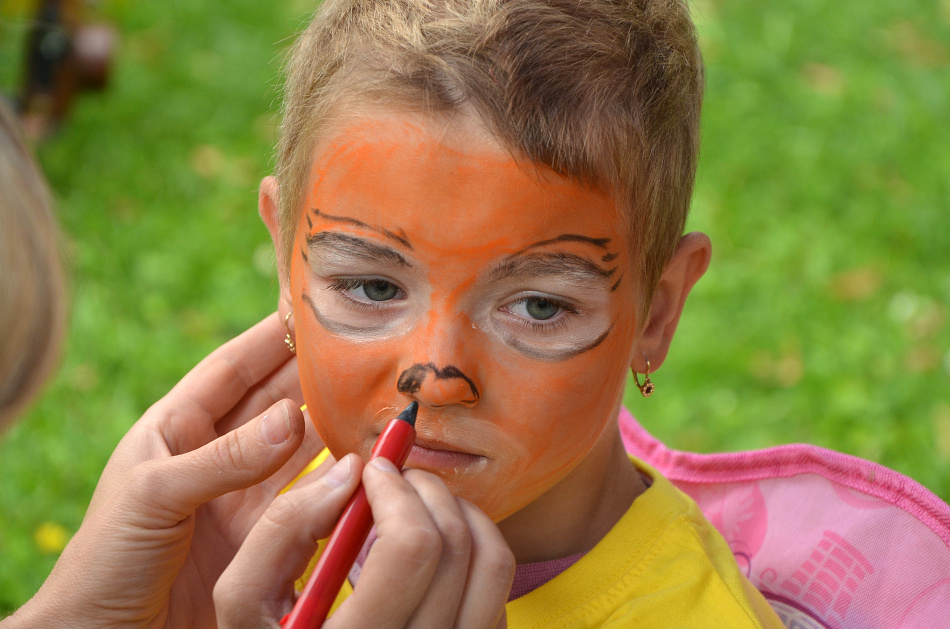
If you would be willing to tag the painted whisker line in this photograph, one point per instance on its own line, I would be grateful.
(341, 329)
(344, 244)
(312, 305)
(303, 253)
(600, 243)
(557, 356)
(400, 238)
(309, 222)
(597, 341)
(339, 219)
(616, 284)
(610, 257)
(570, 268)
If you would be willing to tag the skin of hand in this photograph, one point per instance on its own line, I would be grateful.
(438, 561)
(180, 493)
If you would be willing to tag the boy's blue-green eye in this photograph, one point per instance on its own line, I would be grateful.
(540, 308)
(380, 290)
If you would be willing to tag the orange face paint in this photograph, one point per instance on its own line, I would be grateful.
(431, 265)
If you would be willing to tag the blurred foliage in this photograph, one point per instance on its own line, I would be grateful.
(823, 184)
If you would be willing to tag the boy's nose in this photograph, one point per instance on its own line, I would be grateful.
(434, 385)
(442, 371)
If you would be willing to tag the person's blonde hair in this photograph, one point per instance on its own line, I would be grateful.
(31, 281)
(605, 91)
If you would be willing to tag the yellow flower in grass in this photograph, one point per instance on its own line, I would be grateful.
(51, 537)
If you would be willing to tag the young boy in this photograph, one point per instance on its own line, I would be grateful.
(480, 206)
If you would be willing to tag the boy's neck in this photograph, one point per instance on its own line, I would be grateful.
(574, 515)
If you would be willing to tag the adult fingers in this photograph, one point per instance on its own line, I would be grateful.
(282, 383)
(397, 573)
(473, 579)
(256, 589)
(173, 487)
(312, 446)
(185, 418)
(221, 380)
(440, 605)
(491, 570)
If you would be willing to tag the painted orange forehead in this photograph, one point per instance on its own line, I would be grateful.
(347, 170)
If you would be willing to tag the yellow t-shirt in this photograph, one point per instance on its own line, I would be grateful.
(663, 565)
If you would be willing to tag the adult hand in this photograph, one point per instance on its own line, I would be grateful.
(438, 561)
(181, 491)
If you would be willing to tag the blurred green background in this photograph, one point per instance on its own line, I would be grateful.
(824, 184)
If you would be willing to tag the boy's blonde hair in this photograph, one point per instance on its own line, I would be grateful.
(605, 91)
(31, 281)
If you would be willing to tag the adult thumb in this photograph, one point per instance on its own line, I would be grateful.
(236, 460)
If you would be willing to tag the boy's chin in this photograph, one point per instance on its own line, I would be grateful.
(497, 499)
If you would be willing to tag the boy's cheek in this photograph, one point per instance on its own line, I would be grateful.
(578, 391)
(345, 387)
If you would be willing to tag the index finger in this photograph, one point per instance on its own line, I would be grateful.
(221, 380)
(403, 558)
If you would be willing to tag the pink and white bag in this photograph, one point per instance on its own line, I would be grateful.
(831, 540)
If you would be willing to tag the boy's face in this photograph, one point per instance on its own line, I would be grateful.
(429, 265)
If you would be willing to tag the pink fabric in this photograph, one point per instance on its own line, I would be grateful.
(831, 540)
(528, 577)
(531, 576)
(354, 574)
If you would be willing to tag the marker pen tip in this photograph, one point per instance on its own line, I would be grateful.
(409, 414)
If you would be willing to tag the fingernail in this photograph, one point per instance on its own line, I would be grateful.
(384, 465)
(275, 426)
(340, 473)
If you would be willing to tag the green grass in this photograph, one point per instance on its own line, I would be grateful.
(823, 185)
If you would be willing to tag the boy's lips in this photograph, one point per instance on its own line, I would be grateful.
(433, 455)
(446, 443)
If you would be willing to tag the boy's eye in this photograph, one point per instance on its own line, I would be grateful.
(540, 308)
(379, 290)
(367, 291)
(536, 308)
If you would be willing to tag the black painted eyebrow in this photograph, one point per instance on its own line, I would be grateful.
(401, 238)
(567, 267)
(600, 243)
(351, 246)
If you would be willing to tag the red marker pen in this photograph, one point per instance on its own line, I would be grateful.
(350, 533)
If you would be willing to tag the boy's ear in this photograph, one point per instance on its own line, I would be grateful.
(267, 206)
(689, 262)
